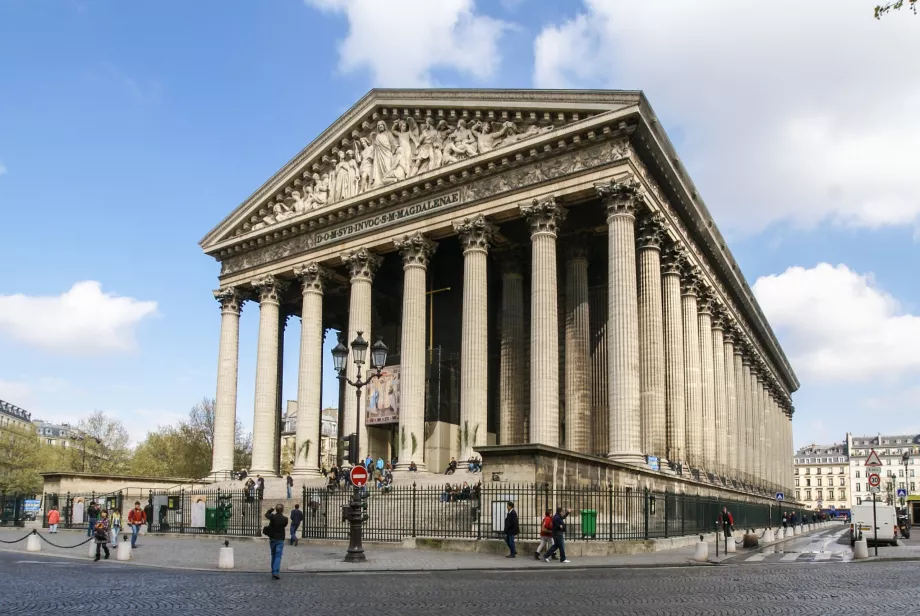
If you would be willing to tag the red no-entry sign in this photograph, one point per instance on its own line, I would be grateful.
(359, 476)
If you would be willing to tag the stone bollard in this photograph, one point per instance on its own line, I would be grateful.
(780, 534)
(861, 549)
(123, 551)
(225, 558)
(92, 548)
(795, 530)
(33, 543)
(768, 536)
(730, 546)
(702, 552)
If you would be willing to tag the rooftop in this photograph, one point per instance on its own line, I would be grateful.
(7, 408)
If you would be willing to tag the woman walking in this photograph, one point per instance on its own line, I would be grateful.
(116, 526)
(101, 535)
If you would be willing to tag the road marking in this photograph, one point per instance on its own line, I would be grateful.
(753, 558)
(42, 562)
(790, 557)
(823, 556)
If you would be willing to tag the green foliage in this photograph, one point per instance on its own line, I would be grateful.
(105, 443)
(22, 457)
(883, 9)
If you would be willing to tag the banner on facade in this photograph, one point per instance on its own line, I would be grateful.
(383, 398)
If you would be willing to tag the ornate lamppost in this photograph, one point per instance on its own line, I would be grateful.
(905, 459)
(352, 513)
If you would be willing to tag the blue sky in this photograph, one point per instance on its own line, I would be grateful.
(128, 130)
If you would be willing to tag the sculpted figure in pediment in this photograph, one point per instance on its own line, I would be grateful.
(428, 152)
(460, 145)
(320, 189)
(514, 134)
(407, 137)
(384, 144)
(365, 160)
(489, 136)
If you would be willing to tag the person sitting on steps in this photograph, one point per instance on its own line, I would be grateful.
(451, 467)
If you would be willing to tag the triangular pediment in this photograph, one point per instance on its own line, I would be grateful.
(392, 137)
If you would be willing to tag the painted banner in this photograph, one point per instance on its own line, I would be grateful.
(383, 398)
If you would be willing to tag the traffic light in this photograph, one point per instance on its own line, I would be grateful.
(352, 441)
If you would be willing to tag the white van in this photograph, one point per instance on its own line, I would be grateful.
(861, 524)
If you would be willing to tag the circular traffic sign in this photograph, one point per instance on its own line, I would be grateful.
(874, 480)
(359, 476)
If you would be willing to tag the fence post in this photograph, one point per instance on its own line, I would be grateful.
(665, 514)
(609, 512)
(646, 512)
(683, 513)
(181, 510)
(303, 508)
(414, 505)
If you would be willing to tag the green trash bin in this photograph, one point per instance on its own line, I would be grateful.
(210, 519)
(588, 523)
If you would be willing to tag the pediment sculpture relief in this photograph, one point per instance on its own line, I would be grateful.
(385, 154)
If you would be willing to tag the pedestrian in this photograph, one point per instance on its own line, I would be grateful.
(558, 535)
(148, 515)
(728, 522)
(296, 519)
(101, 535)
(546, 534)
(54, 518)
(275, 533)
(136, 517)
(368, 462)
(290, 485)
(260, 486)
(511, 529)
(92, 512)
(116, 526)
(785, 520)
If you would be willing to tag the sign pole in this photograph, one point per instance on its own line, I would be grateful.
(875, 525)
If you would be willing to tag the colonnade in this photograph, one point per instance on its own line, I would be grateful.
(684, 382)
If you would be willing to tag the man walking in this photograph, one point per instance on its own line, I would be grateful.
(275, 533)
(290, 485)
(546, 534)
(54, 518)
(558, 535)
(511, 529)
(728, 523)
(296, 519)
(92, 513)
(136, 517)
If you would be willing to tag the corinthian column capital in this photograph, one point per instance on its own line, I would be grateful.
(511, 260)
(544, 216)
(231, 299)
(690, 281)
(704, 299)
(415, 249)
(650, 231)
(578, 246)
(270, 288)
(622, 197)
(362, 264)
(475, 233)
(312, 277)
(673, 258)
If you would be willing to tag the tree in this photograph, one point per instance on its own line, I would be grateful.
(105, 443)
(883, 9)
(201, 418)
(22, 457)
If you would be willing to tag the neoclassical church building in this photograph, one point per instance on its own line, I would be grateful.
(553, 292)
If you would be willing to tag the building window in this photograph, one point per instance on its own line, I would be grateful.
(858, 500)
(796, 483)
(843, 495)
(817, 471)
(808, 482)
(857, 474)
(819, 482)
(820, 494)
(842, 482)
(808, 495)
(796, 471)
(858, 488)
(912, 486)
(900, 473)
(808, 471)
(830, 495)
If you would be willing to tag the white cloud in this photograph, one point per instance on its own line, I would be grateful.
(82, 321)
(401, 41)
(837, 325)
(787, 110)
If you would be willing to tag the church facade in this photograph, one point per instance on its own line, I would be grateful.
(547, 279)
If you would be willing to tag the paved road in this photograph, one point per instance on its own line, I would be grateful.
(43, 585)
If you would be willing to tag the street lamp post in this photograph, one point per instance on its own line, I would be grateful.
(905, 458)
(352, 512)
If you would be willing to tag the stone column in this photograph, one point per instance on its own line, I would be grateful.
(310, 374)
(731, 403)
(740, 417)
(577, 345)
(651, 338)
(416, 251)
(671, 260)
(264, 425)
(756, 427)
(747, 411)
(362, 266)
(693, 394)
(622, 199)
(544, 218)
(707, 379)
(511, 380)
(720, 394)
(475, 237)
(231, 302)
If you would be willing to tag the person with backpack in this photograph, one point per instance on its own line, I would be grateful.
(558, 535)
(728, 522)
(277, 522)
(101, 535)
(546, 534)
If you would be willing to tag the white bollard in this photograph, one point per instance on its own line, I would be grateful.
(702, 552)
(730, 546)
(33, 543)
(225, 559)
(123, 551)
(768, 536)
(861, 549)
(780, 534)
(92, 548)
(143, 530)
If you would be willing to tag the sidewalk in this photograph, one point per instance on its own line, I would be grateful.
(201, 553)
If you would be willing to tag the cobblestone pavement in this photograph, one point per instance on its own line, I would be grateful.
(42, 585)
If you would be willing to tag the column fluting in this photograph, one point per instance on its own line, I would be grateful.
(577, 344)
(264, 422)
(741, 449)
(731, 408)
(693, 394)
(310, 371)
(511, 360)
(707, 379)
(651, 337)
(231, 303)
(672, 258)
(719, 393)
(748, 411)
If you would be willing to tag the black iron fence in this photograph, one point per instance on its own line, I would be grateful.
(597, 514)
(12, 509)
(74, 507)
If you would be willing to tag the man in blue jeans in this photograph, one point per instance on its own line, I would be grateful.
(275, 533)
(511, 529)
(92, 513)
(558, 535)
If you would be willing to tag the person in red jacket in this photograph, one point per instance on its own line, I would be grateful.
(54, 518)
(136, 517)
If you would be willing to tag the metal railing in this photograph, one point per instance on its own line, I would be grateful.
(477, 512)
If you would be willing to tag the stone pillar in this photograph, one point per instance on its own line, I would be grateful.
(264, 422)
(231, 302)
(719, 394)
(756, 427)
(731, 403)
(651, 338)
(362, 266)
(707, 379)
(740, 417)
(544, 218)
(693, 394)
(747, 411)
(475, 237)
(416, 251)
(671, 259)
(764, 433)
(310, 374)
(511, 380)
(622, 199)
(577, 345)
